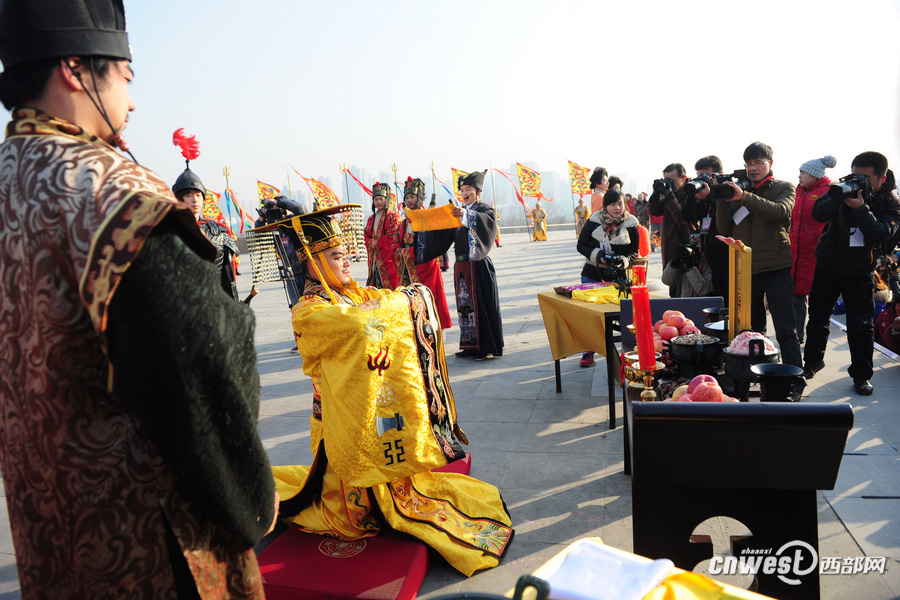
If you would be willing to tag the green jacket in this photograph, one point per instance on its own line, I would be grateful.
(766, 228)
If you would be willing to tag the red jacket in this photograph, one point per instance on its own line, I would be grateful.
(804, 235)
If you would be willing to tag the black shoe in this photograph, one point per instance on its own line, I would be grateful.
(863, 387)
(810, 371)
(466, 354)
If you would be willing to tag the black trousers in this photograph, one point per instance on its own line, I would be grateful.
(857, 294)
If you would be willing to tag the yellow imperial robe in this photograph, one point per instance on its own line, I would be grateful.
(383, 417)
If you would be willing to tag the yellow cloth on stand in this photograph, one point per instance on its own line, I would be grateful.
(604, 295)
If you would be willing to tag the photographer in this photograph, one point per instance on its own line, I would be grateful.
(699, 211)
(666, 202)
(609, 242)
(274, 210)
(861, 216)
(690, 270)
(759, 214)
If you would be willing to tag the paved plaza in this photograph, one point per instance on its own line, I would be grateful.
(553, 456)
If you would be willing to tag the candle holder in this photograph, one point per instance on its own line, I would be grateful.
(649, 377)
(637, 377)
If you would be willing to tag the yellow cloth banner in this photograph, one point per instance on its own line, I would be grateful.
(432, 219)
(604, 295)
(579, 178)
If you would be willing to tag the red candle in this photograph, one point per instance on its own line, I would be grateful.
(643, 326)
(640, 274)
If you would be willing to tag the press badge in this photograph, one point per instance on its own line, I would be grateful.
(740, 214)
(704, 224)
(857, 240)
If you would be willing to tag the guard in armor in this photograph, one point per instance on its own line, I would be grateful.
(190, 190)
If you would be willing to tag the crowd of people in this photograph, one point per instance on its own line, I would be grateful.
(815, 245)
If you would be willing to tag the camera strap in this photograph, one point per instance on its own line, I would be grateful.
(760, 184)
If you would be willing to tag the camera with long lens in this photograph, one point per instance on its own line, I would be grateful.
(850, 186)
(696, 184)
(663, 186)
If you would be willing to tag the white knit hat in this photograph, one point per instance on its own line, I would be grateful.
(817, 166)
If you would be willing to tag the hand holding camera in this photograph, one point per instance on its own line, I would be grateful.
(854, 190)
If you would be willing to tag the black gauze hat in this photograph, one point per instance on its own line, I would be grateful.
(414, 186)
(476, 180)
(32, 30)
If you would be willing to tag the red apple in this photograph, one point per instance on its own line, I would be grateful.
(667, 332)
(677, 320)
(658, 345)
(684, 398)
(689, 329)
(698, 380)
(657, 325)
(668, 314)
(707, 392)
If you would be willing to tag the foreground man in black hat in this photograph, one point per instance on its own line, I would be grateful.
(130, 457)
(474, 278)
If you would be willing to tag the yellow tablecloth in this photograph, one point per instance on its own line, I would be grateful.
(573, 326)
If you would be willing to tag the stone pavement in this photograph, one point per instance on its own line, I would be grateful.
(553, 456)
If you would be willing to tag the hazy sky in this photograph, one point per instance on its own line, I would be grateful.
(629, 85)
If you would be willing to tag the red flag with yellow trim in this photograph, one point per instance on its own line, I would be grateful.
(578, 176)
(266, 191)
(456, 175)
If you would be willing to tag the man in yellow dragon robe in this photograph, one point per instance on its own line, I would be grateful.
(383, 415)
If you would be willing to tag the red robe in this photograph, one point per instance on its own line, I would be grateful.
(383, 244)
(427, 273)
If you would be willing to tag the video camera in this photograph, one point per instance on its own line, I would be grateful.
(271, 212)
(718, 186)
(851, 185)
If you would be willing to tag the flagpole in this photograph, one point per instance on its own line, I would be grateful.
(493, 189)
(433, 183)
(344, 167)
(227, 173)
(394, 168)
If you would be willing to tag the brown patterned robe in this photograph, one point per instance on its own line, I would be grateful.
(88, 495)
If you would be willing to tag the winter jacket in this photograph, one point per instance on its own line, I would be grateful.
(593, 240)
(804, 235)
(765, 229)
(878, 219)
(695, 282)
(674, 231)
